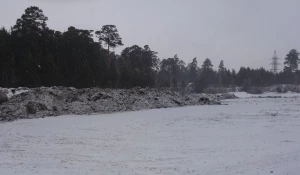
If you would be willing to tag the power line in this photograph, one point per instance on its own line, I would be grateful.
(275, 63)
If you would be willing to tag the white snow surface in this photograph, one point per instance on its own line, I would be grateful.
(248, 136)
(266, 94)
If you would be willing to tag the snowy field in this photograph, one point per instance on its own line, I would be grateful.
(248, 136)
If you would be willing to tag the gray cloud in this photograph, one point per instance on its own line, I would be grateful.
(239, 32)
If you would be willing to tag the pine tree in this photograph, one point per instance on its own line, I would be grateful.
(33, 20)
(221, 66)
(221, 73)
(291, 61)
(192, 68)
(6, 59)
(110, 36)
(208, 75)
(30, 35)
(207, 65)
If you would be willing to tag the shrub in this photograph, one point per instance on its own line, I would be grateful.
(278, 89)
(200, 86)
(215, 90)
(255, 90)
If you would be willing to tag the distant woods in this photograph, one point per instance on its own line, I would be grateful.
(32, 55)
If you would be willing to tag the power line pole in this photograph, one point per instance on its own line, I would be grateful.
(275, 63)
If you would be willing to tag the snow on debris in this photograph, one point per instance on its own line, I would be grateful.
(54, 101)
(10, 92)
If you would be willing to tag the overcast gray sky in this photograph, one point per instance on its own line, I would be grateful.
(241, 32)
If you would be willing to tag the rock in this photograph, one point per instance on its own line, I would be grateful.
(217, 103)
(142, 91)
(100, 95)
(72, 98)
(34, 107)
(52, 93)
(72, 88)
(227, 96)
(3, 97)
(176, 101)
(274, 114)
(204, 100)
(54, 108)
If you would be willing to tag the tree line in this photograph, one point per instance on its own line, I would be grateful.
(33, 55)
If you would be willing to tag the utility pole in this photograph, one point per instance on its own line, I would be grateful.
(275, 63)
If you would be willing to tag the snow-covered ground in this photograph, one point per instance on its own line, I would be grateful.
(248, 136)
(266, 94)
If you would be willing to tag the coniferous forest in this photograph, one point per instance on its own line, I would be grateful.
(33, 55)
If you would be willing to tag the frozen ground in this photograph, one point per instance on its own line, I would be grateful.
(248, 136)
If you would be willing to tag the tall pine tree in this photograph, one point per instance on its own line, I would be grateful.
(291, 61)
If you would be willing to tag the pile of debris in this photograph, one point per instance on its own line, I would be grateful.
(54, 101)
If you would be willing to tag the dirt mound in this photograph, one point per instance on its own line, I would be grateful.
(41, 102)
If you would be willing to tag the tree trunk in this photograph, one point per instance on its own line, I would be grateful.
(108, 58)
(2, 82)
(12, 71)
